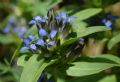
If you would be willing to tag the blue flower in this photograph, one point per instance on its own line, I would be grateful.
(27, 43)
(20, 34)
(20, 30)
(33, 47)
(24, 48)
(53, 33)
(62, 15)
(16, 29)
(31, 37)
(32, 22)
(27, 40)
(107, 23)
(6, 29)
(40, 42)
(37, 19)
(42, 32)
(51, 43)
(12, 20)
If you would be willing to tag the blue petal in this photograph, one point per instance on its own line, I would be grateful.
(6, 29)
(24, 48)
(26, 41)
(32, 22)
(33, 47)
(37, 18)
(40, 42)
(58, 17)
(42, 32)
(43, 20)
(53, 33)
(20, 34)
(12, 20)
(108, 23)
(51, 43)
(63, 15)
(16, 29)
(31, 37)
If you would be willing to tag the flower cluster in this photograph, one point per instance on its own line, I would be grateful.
(51, 30)
(15, 26)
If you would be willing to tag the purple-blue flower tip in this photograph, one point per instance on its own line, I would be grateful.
(40, 42)
(26, 41)
(24, 48)
(33, 47)
(31, 37)
(51, 43)
(53, 33)
(42, 32)
(6, 29)
(32, 22)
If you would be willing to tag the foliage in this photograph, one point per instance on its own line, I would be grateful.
(59, 41)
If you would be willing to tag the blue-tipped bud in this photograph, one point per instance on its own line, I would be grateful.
(12, 20)
(33, 47)
(53, 33)
(20, 34)
(16, 29)
(107, 23)
(63, 15)
(37, 18)
(24, 48)
(58, 17)
(26, 41)
(31, 37)
(51, 43)
(40, 42)
(42, 32)
(6, 29)
(32, 22)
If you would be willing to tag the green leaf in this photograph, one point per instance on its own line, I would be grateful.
(91, 30)
(84, 32)
(110, 78)
(16, 53)
(109, 57)
(88, 68)
(21, 61)
(6, 39)
(54, 3)
(113, 41)
(3, 68)
(84, 14)
(33, 69)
